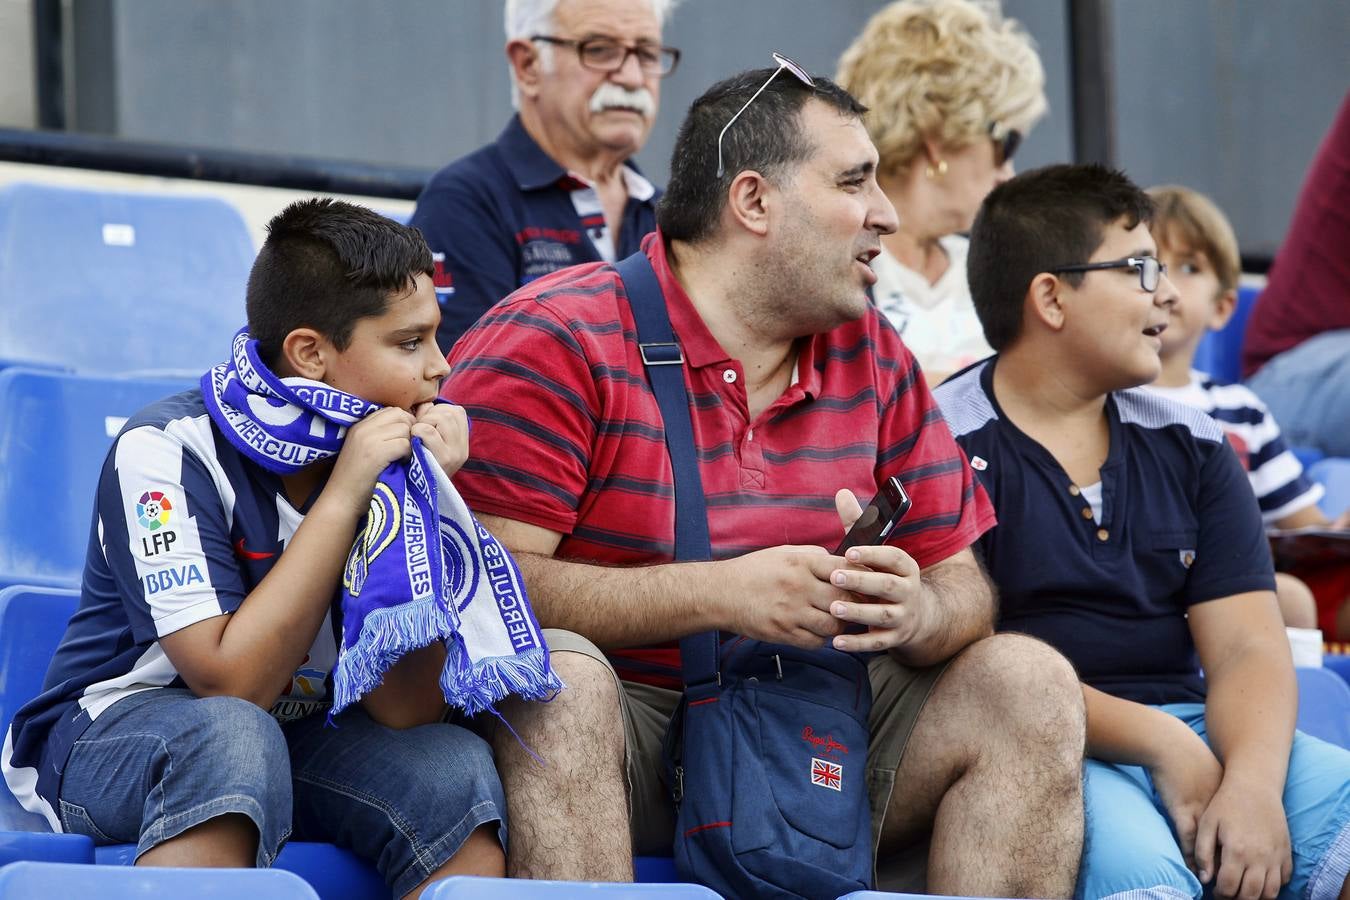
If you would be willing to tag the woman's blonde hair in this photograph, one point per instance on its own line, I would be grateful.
(943, 70)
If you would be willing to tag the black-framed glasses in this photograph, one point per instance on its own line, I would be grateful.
(605, 54)
(783, 63)
(1149, 268)
(1006, 141)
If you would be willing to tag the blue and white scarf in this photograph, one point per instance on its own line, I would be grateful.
(402, 588)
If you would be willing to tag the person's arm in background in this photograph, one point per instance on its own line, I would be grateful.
(480, 264)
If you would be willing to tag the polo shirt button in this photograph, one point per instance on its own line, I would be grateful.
(1102, 534)
(729, 376)
(1087, 512)
(1073, 489)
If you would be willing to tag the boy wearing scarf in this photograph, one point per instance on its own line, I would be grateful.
(246, 581)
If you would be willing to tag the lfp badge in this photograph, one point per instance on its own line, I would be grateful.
(152, 510)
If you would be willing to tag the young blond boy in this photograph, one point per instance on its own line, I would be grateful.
(1197, 244)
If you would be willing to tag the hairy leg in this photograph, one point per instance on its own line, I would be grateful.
(225, 842)
(569, 816)
(993, 768)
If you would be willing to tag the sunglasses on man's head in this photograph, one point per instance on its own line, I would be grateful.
(783, 63)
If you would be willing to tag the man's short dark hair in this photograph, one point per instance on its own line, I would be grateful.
(767, 138)
(1042, 219)
(325, 265)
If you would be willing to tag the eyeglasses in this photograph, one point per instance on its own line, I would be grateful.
(1148, 267)
(783, 63)
(1006, 141)
(608, 55)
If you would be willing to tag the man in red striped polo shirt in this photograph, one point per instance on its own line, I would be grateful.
(803, 399)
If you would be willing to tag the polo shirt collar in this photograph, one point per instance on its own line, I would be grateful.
(699, 346)
(529, 164)
(534, 170)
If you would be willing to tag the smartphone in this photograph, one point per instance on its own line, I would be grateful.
(887, 508)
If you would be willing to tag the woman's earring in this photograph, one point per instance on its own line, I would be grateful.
(938, 172)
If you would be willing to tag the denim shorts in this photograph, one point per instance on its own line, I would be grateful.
(164, 760)
(1130, 850)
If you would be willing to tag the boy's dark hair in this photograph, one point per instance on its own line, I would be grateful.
(1042, 219)
(325, 265)
(766, 138)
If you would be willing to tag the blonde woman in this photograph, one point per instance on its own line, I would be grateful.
(952, 87)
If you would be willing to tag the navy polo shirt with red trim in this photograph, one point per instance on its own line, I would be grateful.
(568, 436)
(1179, 526)
(507, 214)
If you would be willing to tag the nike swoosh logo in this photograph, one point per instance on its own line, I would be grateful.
(250, 554)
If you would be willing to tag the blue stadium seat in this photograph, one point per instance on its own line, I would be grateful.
(138, 282)
(32, 621)
(55, 430)
(25, 880)
(16, 846)
(1324, 705)
(1220, 352)
(1333, 473)
(462, 887)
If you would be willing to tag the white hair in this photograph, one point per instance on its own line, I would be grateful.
(526, 18)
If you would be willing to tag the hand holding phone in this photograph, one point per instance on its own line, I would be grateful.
(880, 517)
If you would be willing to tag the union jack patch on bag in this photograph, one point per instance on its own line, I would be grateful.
(827, 774)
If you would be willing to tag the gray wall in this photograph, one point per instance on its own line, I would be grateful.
(1230, 96)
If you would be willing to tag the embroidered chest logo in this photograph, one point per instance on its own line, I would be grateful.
(978, 464)
(1187, 558)
(827, 774)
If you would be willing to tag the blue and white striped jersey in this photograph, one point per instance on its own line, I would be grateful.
(184, 528)
(1276, 475)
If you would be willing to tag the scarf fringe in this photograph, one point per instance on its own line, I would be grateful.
(387, 634)
(478, 687)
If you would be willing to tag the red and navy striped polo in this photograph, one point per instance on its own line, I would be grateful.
(568, 436)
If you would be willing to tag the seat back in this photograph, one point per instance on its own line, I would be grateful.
(1220, 352)
(1324, 705)
(38, 879)
(464, 887)
(138, 282)
(32, 622)
(55, 430)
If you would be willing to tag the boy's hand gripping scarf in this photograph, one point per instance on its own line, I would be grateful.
(422, 568)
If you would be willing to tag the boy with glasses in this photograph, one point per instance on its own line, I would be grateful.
(558, 186)
(1130, 540)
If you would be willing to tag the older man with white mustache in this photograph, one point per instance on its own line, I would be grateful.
(557, 187)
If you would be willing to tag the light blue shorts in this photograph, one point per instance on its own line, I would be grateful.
(1130, 851)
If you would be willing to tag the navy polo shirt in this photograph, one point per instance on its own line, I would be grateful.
(1179, 526)
(505, 215)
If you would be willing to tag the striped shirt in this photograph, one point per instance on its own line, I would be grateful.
(1275, 473)
(185, 526)
(568, 436)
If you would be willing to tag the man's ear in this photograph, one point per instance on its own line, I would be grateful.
(526, 65)
(1224, 306)
(749, 201)
(307, 353)
(1043, 301)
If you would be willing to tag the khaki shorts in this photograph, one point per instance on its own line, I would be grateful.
(898, 696)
